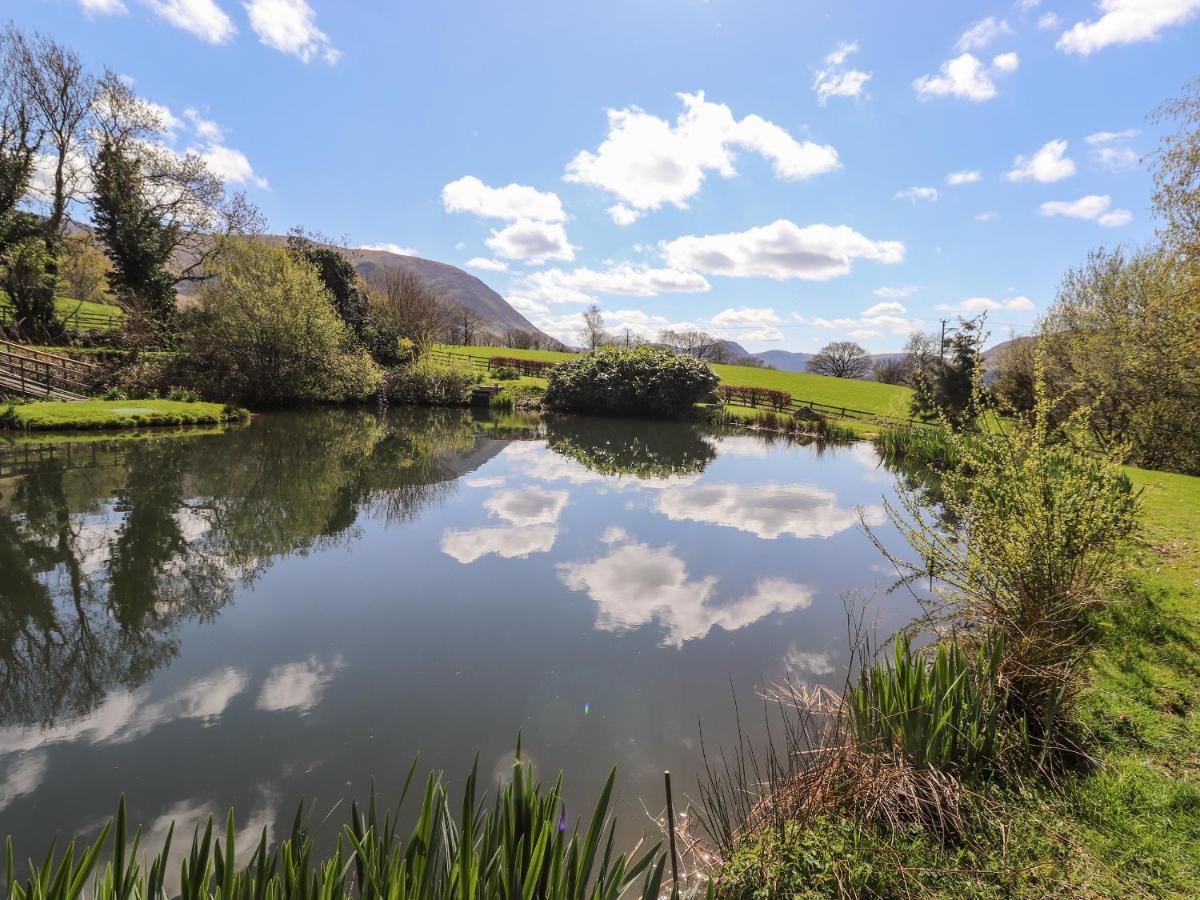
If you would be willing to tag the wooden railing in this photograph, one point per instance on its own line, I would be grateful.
(39, 373)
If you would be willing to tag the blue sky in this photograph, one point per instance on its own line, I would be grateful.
(775, 172)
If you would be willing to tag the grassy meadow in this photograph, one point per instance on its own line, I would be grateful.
(82, 314)
(89, 414)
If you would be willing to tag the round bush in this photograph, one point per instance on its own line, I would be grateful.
(642, 381)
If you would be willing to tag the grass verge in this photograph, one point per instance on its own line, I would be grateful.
(96, 414)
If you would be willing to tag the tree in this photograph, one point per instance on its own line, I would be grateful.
(518, 339)
(841, 359)
(1177, 172)
(1015, 381)
(268, 333)
(83, 268)
(466, 327)
(340, 278)
(693, 342)
(162, 216)
(592, 333)
(893, 370)
(406, 307)
(20, 140)
(947, 386)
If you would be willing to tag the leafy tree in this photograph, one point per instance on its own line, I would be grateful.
(268, 332)
(1016, 375)
(841, 359)
(84, 269)
(641, 381)
(340, 278)
(1177, 172)
(29, 280)
(946, 386)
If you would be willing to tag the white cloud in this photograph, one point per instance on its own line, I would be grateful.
(509, 542)
(487, 265)
(965, 176)
(1092, 208)
(636, 584)
(914, 194)
(982, 33)
(890, 308)
(1028, 5)
(206, 129)
(647, 162)
(1111, 150)
(1047, 165)
(627, 279)
(976, 305)
(836, 80)
(965, 76)
(289, 26)
(984, 216)
(510, 203)
(527, 305)
(894, 292)
(780, 250)
(103, 7)
(1126, 22)
(767, 511)
(203, 18)
(745, 317)
(532, 241)
(230, 165)
(389, 247)
(1049, 21)
(298, 686)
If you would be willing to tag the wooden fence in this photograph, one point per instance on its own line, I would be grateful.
(37, 373)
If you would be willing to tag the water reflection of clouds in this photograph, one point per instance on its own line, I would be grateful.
(298, 686)
(764, 510)
(536, 460)
(528, 506)
(509, 542)
(22, 777)
(636, 584)
(804, 662)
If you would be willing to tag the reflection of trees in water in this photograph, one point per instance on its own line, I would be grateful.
(640, 448)
(100, 565)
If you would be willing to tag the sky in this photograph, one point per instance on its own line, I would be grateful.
(775, 172)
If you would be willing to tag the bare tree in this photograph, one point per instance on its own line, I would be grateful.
(20, 138)
(466, 327)
(592, 334)
(404, 305)
(518, 339)
(695, 343)
(841, 359)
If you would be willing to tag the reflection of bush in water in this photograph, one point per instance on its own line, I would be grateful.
(640, 448)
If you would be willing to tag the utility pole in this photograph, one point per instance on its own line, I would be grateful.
(942, 343)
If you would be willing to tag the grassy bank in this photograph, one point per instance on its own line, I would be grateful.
(82, 315)
(97, 414)
(1127, 825)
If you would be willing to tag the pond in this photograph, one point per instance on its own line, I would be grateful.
(295, 607)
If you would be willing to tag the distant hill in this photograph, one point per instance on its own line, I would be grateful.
(785, 360)
(735, 350)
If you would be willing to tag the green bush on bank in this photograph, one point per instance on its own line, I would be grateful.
(639, 381)
(429, 383)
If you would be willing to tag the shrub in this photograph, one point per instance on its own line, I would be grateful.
(524, 397)
(429, 383)
(537, 368)
(505, 373)
(269, 333)
(639, 381)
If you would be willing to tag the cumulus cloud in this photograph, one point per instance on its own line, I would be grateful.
(487, 265)
(966, 77)
(837, 79)
(202, 18)
(532, 241)
(627, 279)
(1092, 208)
(298, 686)
(766, 511)
(510, 203)
(973, 306)
(528, 506)
(747, 323)
(965, 176)
(1047, 165)
(915, 194)
(647, 162)
(289, 26)
(1126, 22)
(509, 542)
(230, 165)
(888, 308)
(636, 584)
(1049, 22)
(982, 33)
(780, 250)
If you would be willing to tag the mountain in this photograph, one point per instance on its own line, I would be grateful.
(785, 360)
(734, 350)
(461, 287)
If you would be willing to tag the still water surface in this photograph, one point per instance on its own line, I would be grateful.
(290, 608)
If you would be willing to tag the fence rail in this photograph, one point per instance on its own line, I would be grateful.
(76, 319)
(38, 373)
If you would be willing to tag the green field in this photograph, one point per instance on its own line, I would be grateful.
(878, 399)
(88, 414)
(81, 314)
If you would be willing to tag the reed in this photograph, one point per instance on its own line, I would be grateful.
(519, 846)
(931, 446)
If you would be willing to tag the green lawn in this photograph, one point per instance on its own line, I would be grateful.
(82, 314)
(870, 396)
(54, 415)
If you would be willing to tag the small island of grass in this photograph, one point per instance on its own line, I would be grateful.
(96, 414)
